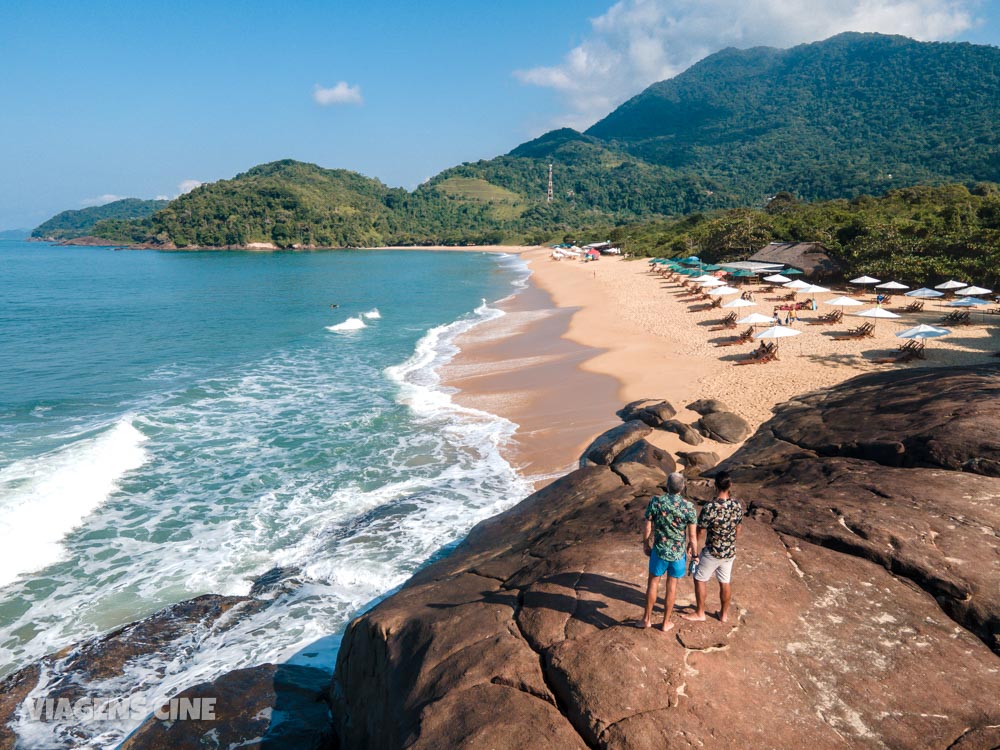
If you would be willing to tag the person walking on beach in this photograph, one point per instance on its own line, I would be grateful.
(668, 537)
(718, 526)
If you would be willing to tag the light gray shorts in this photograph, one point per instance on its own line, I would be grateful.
(709, 566)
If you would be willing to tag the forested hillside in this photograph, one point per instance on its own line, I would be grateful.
(70, 224)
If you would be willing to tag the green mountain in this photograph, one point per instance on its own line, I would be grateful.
(14, 234)
(80, 223)
(853, 115)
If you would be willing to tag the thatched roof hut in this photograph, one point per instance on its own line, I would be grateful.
(809, 257)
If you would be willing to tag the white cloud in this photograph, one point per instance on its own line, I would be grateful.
(186, 186)
(638, 42)
(342, 93)
(162, 198)
(100, 200)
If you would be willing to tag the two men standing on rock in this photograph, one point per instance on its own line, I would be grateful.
(671, 534)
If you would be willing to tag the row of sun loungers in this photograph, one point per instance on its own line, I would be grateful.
(761, 355)
(908, 352)
(727, 322)
(912, 307)
(744, 338)
(958, 318)
(862, 331)
(828, 320)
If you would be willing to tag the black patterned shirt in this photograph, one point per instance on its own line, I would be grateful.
(721, 518)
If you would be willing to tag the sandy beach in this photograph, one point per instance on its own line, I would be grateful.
(585, 338)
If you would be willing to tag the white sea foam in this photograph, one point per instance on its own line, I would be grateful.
(45, 497)
(351, 324)
(372, 314)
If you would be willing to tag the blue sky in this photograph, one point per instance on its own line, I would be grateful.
(103, 99)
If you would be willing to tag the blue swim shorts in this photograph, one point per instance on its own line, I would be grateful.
(673, 568)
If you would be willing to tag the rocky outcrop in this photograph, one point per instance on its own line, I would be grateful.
(651, 411)
(687, 433)
(724, 427)
(705, 406)
(270, 706)
(646, 453)
(852, 586)
(698, 462)
(608, 445)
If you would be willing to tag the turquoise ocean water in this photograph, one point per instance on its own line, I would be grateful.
(174, 424)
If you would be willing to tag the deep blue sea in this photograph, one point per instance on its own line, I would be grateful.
(174, 424)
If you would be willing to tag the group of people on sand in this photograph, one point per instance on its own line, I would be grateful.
(674, 535)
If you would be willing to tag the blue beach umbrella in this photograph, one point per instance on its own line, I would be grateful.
(968, 302)
(925, 293)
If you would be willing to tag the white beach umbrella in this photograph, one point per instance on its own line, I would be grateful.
(776, 332)
(923, 331)
(895, 285)
(723, 291)
(777, 279)
(708, 283)
(968, 302)
(814, 289)
(924, 293)
(843, 302)
(797, 285)
(740, 303)
(877, 313)
(973, 291)
(755, 319)
(704, 277)
(952, 284)
(865, 280)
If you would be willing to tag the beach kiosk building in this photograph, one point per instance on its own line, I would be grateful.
(809, 257)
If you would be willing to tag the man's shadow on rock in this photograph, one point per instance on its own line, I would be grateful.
(586, 610)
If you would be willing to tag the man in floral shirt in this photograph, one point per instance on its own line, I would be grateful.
(668, 536)
(718, 525)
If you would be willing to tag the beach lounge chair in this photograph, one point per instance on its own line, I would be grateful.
(912, 307)
(908, 352)
(958, 318)
(761, 355)
(727, 322)
(744, 338)
(862, 331)
(829, 319)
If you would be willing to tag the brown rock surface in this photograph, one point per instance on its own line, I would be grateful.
(724, 427)
(705, 406)
(608, 445)
(644, 452)
(864, 597)
(698, 462)
(651, 411)
(687, 433)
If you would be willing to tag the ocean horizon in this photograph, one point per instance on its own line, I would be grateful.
(176, 424)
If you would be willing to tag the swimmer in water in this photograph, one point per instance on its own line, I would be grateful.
(334, 305)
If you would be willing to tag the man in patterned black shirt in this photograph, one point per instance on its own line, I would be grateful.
(718, 526)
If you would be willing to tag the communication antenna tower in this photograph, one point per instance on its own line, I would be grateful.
(548, 198)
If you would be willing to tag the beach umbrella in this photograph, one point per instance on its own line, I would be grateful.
(692, 260)
(740, 302)
(776, 332)
(973, 291)
(923, 331)
(777, 279)
(704, 277)
(797, 285)
(709, 283)
(952, 284)
(892, 285)
(723, 291)
(843, 302)
(792, 272)
(877, 313)
(743, 273)
(968, 302)
(924, 293)
(814, 289)
(865, 280)
(711, 267)
(755, 319)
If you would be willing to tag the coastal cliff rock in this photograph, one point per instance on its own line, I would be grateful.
(855, 582)
(651, 411)
(644, 452)
(697, 462)
(724, 427)
(606, 446)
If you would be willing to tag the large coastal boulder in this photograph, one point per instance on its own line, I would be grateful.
(269, 707)
(724, 427)
(687, 433)
(606, 447)
(705, 406)
(651, 411)
(697, 463)
(644, 452)
(525, 636)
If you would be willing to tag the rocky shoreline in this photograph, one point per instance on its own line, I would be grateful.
(866, 594)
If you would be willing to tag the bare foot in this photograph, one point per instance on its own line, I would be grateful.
(667, 627)
(695, 617)
(643, 624)
(723, 617)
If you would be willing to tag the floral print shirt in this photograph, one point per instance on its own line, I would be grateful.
(721, 518)
(671, 515)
